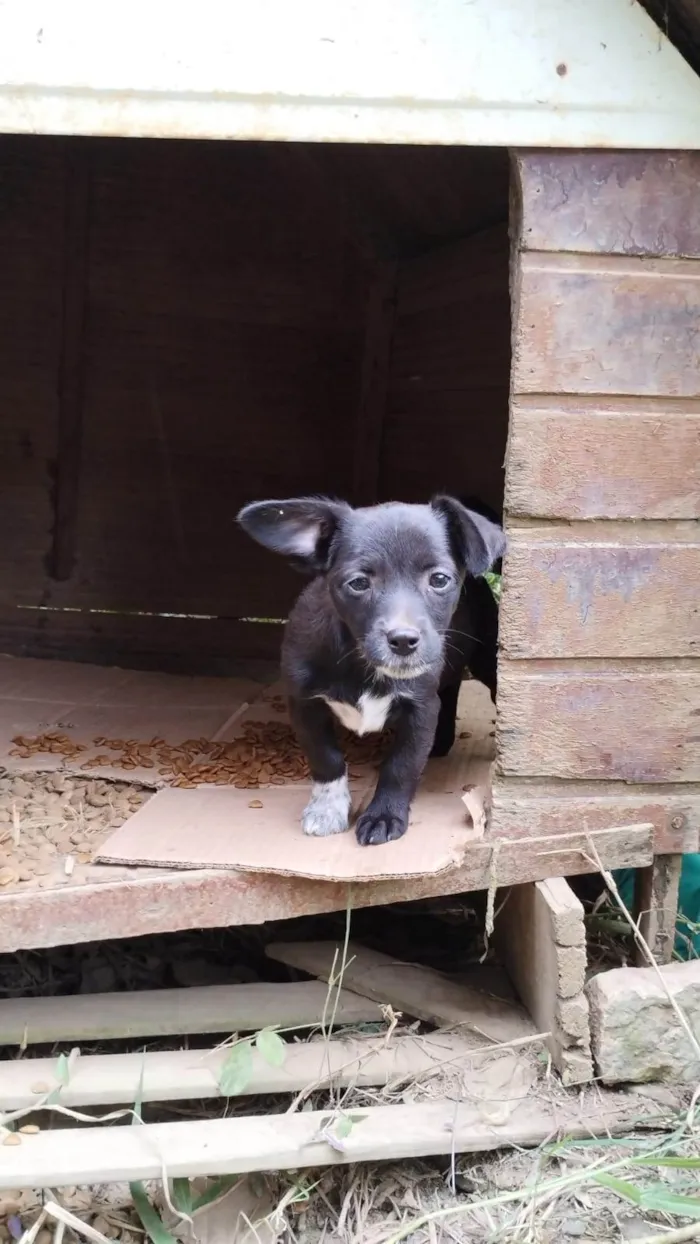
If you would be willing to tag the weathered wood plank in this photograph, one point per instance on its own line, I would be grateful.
(634, 724)
(607, 325)
(408, 987)
(293, 1141)
(549, 974)
(522, 808)
(656, 907)
(636, 458)
(613, 595)
(615, 202)
(154, 1012)
(178, 1075)
(156, 902)
(379, 328)
(76, 243)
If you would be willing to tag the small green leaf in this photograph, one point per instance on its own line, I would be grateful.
(138, 1104)
(664, 1202)
(182, 1195)
(271, 1047)
(62, 1069)
(681, 1164)
(214, 1191)
(623, 1189)
(151, 1220)
(237, 1071)
(344, 1126)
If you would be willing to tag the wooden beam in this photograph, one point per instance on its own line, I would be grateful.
(408, 987)
(179, 1075)
(379, 328)
(656, 907)
(174, 1012)
(540, 937)
(76, 240)
(293, 1141)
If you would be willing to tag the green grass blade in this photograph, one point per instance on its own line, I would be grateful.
(151, 1220)
(626, 1190)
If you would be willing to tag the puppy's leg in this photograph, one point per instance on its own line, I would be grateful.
(447, 719)
(386, 817)
(328, 810)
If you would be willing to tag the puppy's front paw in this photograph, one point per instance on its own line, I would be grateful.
(328, 810)
(378, 825)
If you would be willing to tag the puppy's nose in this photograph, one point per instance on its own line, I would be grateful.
(404, 641)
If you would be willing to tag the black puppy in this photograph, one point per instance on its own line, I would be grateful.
(370, 640)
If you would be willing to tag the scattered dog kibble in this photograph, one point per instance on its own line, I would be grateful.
(264, 753)
(30, 1129)
(12, 1138)
(8, 876)
(40, 1087)
(255, 803)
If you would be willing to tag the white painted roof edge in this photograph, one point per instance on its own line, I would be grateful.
(520, 73)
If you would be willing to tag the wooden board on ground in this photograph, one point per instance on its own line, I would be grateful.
(407, 987)
(178, 1075)
(291, 1141)
(174, 1012)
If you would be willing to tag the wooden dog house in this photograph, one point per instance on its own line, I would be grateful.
(404, 298)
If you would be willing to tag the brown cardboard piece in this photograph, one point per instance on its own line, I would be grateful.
(85, 702)
(260, 831)
(223, 827)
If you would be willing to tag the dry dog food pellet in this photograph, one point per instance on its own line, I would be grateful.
(263, 754)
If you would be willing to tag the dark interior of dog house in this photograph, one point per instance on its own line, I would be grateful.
(192, 326)
(189, 327)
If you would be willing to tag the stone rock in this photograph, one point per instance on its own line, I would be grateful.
(635, 1033)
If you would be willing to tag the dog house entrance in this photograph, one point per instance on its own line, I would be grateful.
(188, 327)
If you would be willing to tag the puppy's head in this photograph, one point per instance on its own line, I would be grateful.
(394, 571)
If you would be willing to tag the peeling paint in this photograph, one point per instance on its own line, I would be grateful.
(601, 572)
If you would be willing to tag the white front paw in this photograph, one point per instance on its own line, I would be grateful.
(328, 810)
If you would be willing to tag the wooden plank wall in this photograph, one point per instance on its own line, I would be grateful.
(599, 687)
(446, 417)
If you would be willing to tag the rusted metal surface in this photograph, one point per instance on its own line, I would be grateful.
(609, 202)
(162, 902)
(606, 590)
(625, 458)
(578, 73)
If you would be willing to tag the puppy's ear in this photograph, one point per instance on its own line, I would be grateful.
(476, 541)
(301, 529)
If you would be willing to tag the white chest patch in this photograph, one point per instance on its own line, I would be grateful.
(367, 717)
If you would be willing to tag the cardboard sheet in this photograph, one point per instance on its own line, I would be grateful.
(260, 831)
(256, 829)
(85, 702)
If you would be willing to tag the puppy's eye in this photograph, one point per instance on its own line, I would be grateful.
(439, 581)
(359, 583)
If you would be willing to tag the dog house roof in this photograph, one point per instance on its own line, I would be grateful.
(567, 73)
